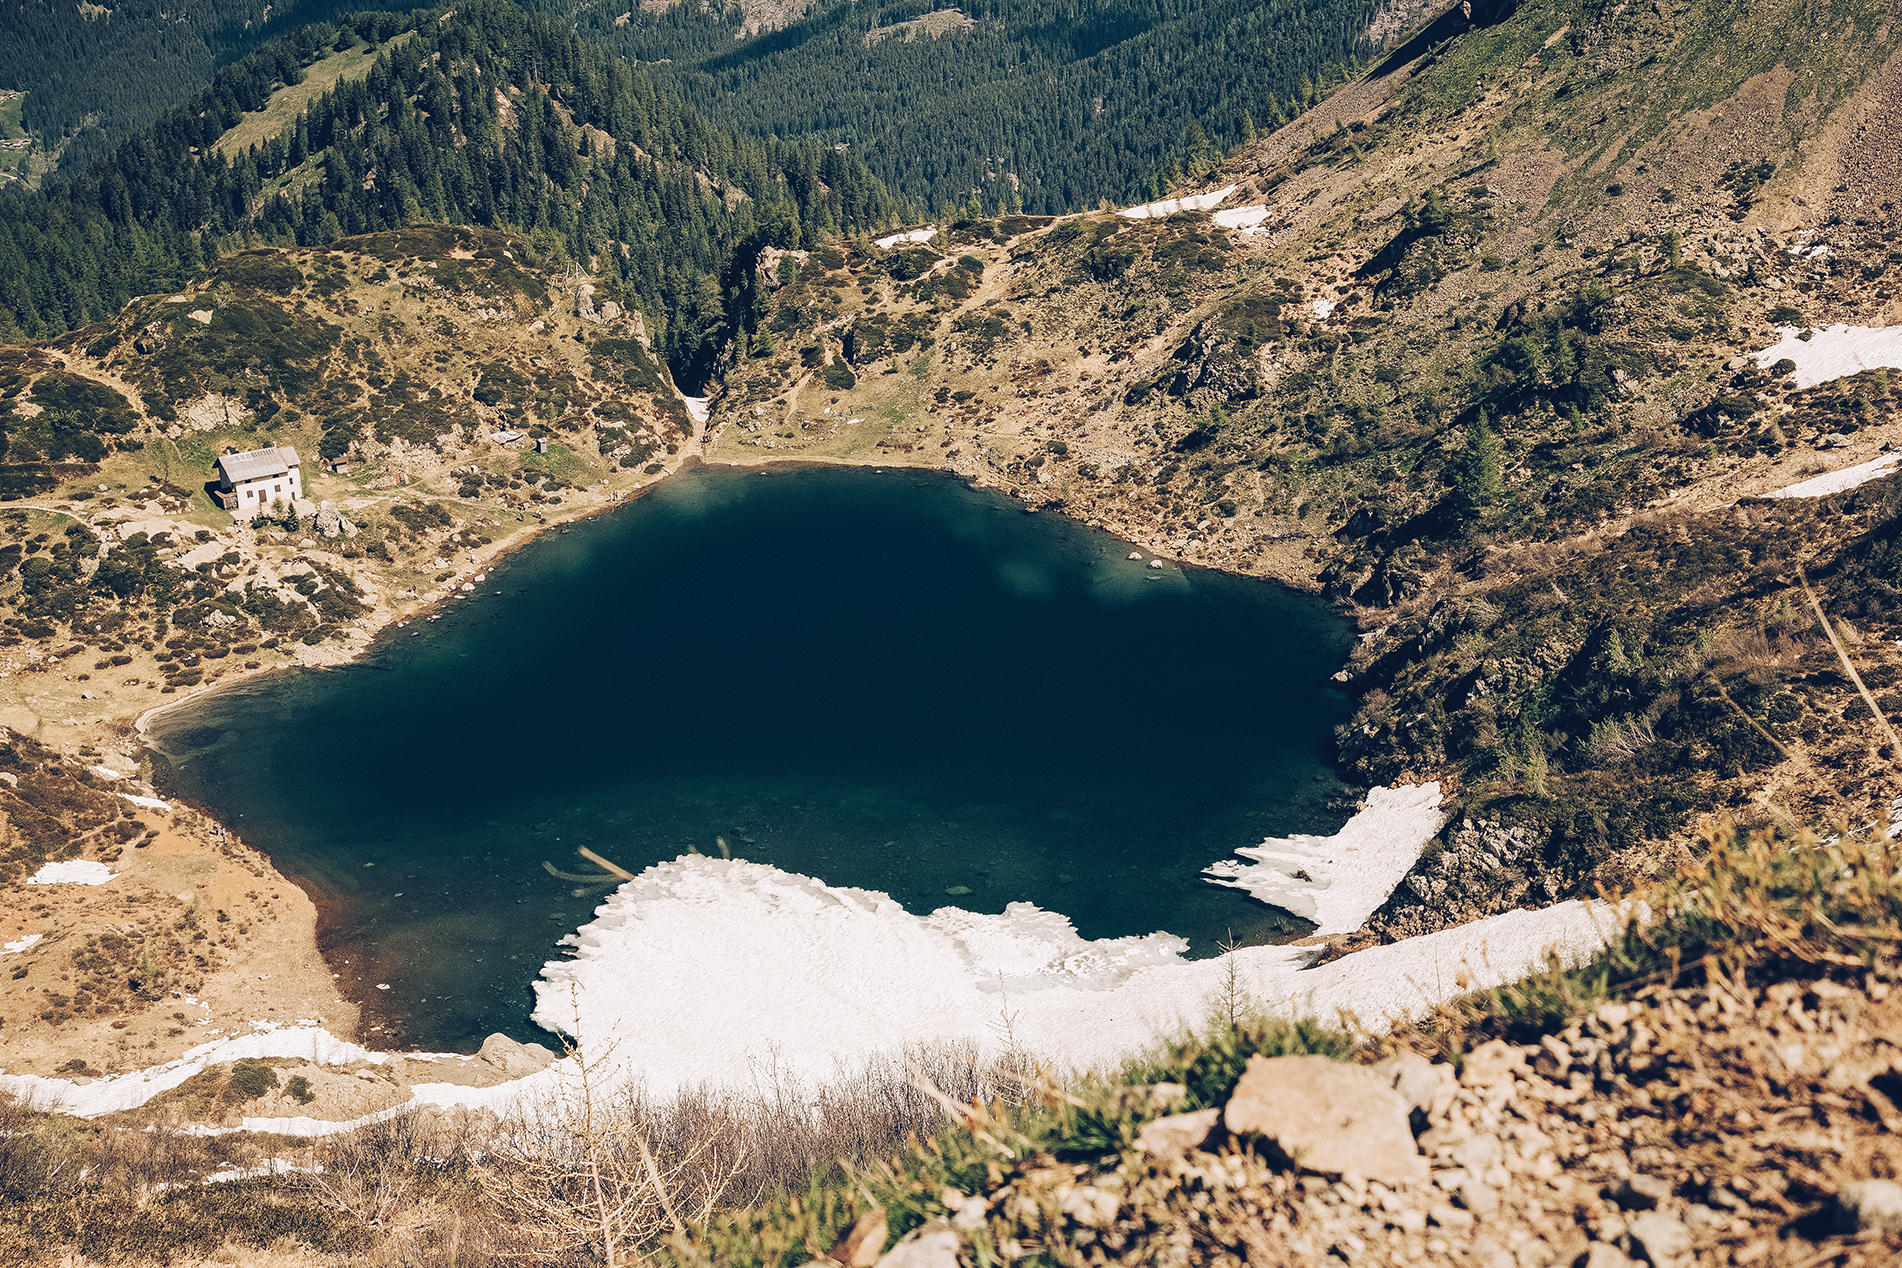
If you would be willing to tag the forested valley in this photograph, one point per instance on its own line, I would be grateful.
(487, 116)
(94, 75)
(1012, 105)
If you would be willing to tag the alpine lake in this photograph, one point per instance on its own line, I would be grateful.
(880, 678)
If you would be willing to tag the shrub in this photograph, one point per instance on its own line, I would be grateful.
(250, 1080)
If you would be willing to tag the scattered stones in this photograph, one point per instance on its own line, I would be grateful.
(1327, 1117)
(1178, 1133)
(1869, 1206)
(1661, 1239)
(1643, 1193)
(931, 1245)
(1492, 1064)
(1605, 1255)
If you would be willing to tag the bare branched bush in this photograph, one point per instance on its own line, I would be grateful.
(603, 1171)
(579, 1171)
(1618, 740)
(1753, 649)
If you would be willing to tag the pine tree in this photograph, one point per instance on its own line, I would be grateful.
(1478, 477)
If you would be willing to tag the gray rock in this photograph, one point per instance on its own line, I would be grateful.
(329, 521)
(1477, 1196)
(1736, 363)
(930, 1245)
(1663, 1241)
(1479, 1154)
(863, 1242)
(1606, 1255)
(1423, 1085)
(1177, 1134)
(514, 1059)
(1642, 1193)
(1327, 1117)
(1869, 1206)
(1492, 1064)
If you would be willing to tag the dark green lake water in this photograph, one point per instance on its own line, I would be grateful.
(881, 679)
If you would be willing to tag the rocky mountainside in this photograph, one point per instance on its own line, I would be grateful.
(1468, 347)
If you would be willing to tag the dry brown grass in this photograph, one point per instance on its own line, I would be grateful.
(583, 1178)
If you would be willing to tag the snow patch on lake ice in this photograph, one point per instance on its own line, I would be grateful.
(1834, 352)
(727, 972)
(1339, 881)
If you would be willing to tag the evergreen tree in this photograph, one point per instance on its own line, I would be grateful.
(1479, 477)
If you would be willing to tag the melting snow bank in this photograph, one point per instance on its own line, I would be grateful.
(1841, 481)
(1247, 219)
(925, 234)
(1170, 206)
(699, 408)
(705, 971)
(714, 971)
(303, 1042)
(1835, 352)
(129, 1091)
(76, 872)
(1339, 881)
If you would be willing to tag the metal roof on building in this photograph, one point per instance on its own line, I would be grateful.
(258, 464)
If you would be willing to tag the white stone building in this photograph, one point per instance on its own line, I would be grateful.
(249, 482)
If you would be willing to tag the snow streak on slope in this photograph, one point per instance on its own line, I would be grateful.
(1835, 351)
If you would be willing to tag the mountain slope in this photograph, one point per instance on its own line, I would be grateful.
(95, 74)
(1024, 105)
(1478, 374)
(487, 116)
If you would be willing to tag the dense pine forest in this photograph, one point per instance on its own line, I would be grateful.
(96, 74)
(485, 116)
(1040, 106)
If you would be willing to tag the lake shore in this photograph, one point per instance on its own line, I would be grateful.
(276, 941)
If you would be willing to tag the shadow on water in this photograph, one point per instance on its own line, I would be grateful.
(883, 679)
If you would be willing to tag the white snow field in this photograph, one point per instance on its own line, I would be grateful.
(1170, 206)
(73, 872)
(889, 241)
(727, 972)
(1247, 219)
(1834, 352)
(1840, 481)
(1339, 881)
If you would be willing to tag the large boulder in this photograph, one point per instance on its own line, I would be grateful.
(1327, 1117)
(513, 1059)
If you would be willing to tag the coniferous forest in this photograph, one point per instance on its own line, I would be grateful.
(486, 116)
(96, 74)
(1041, 106)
